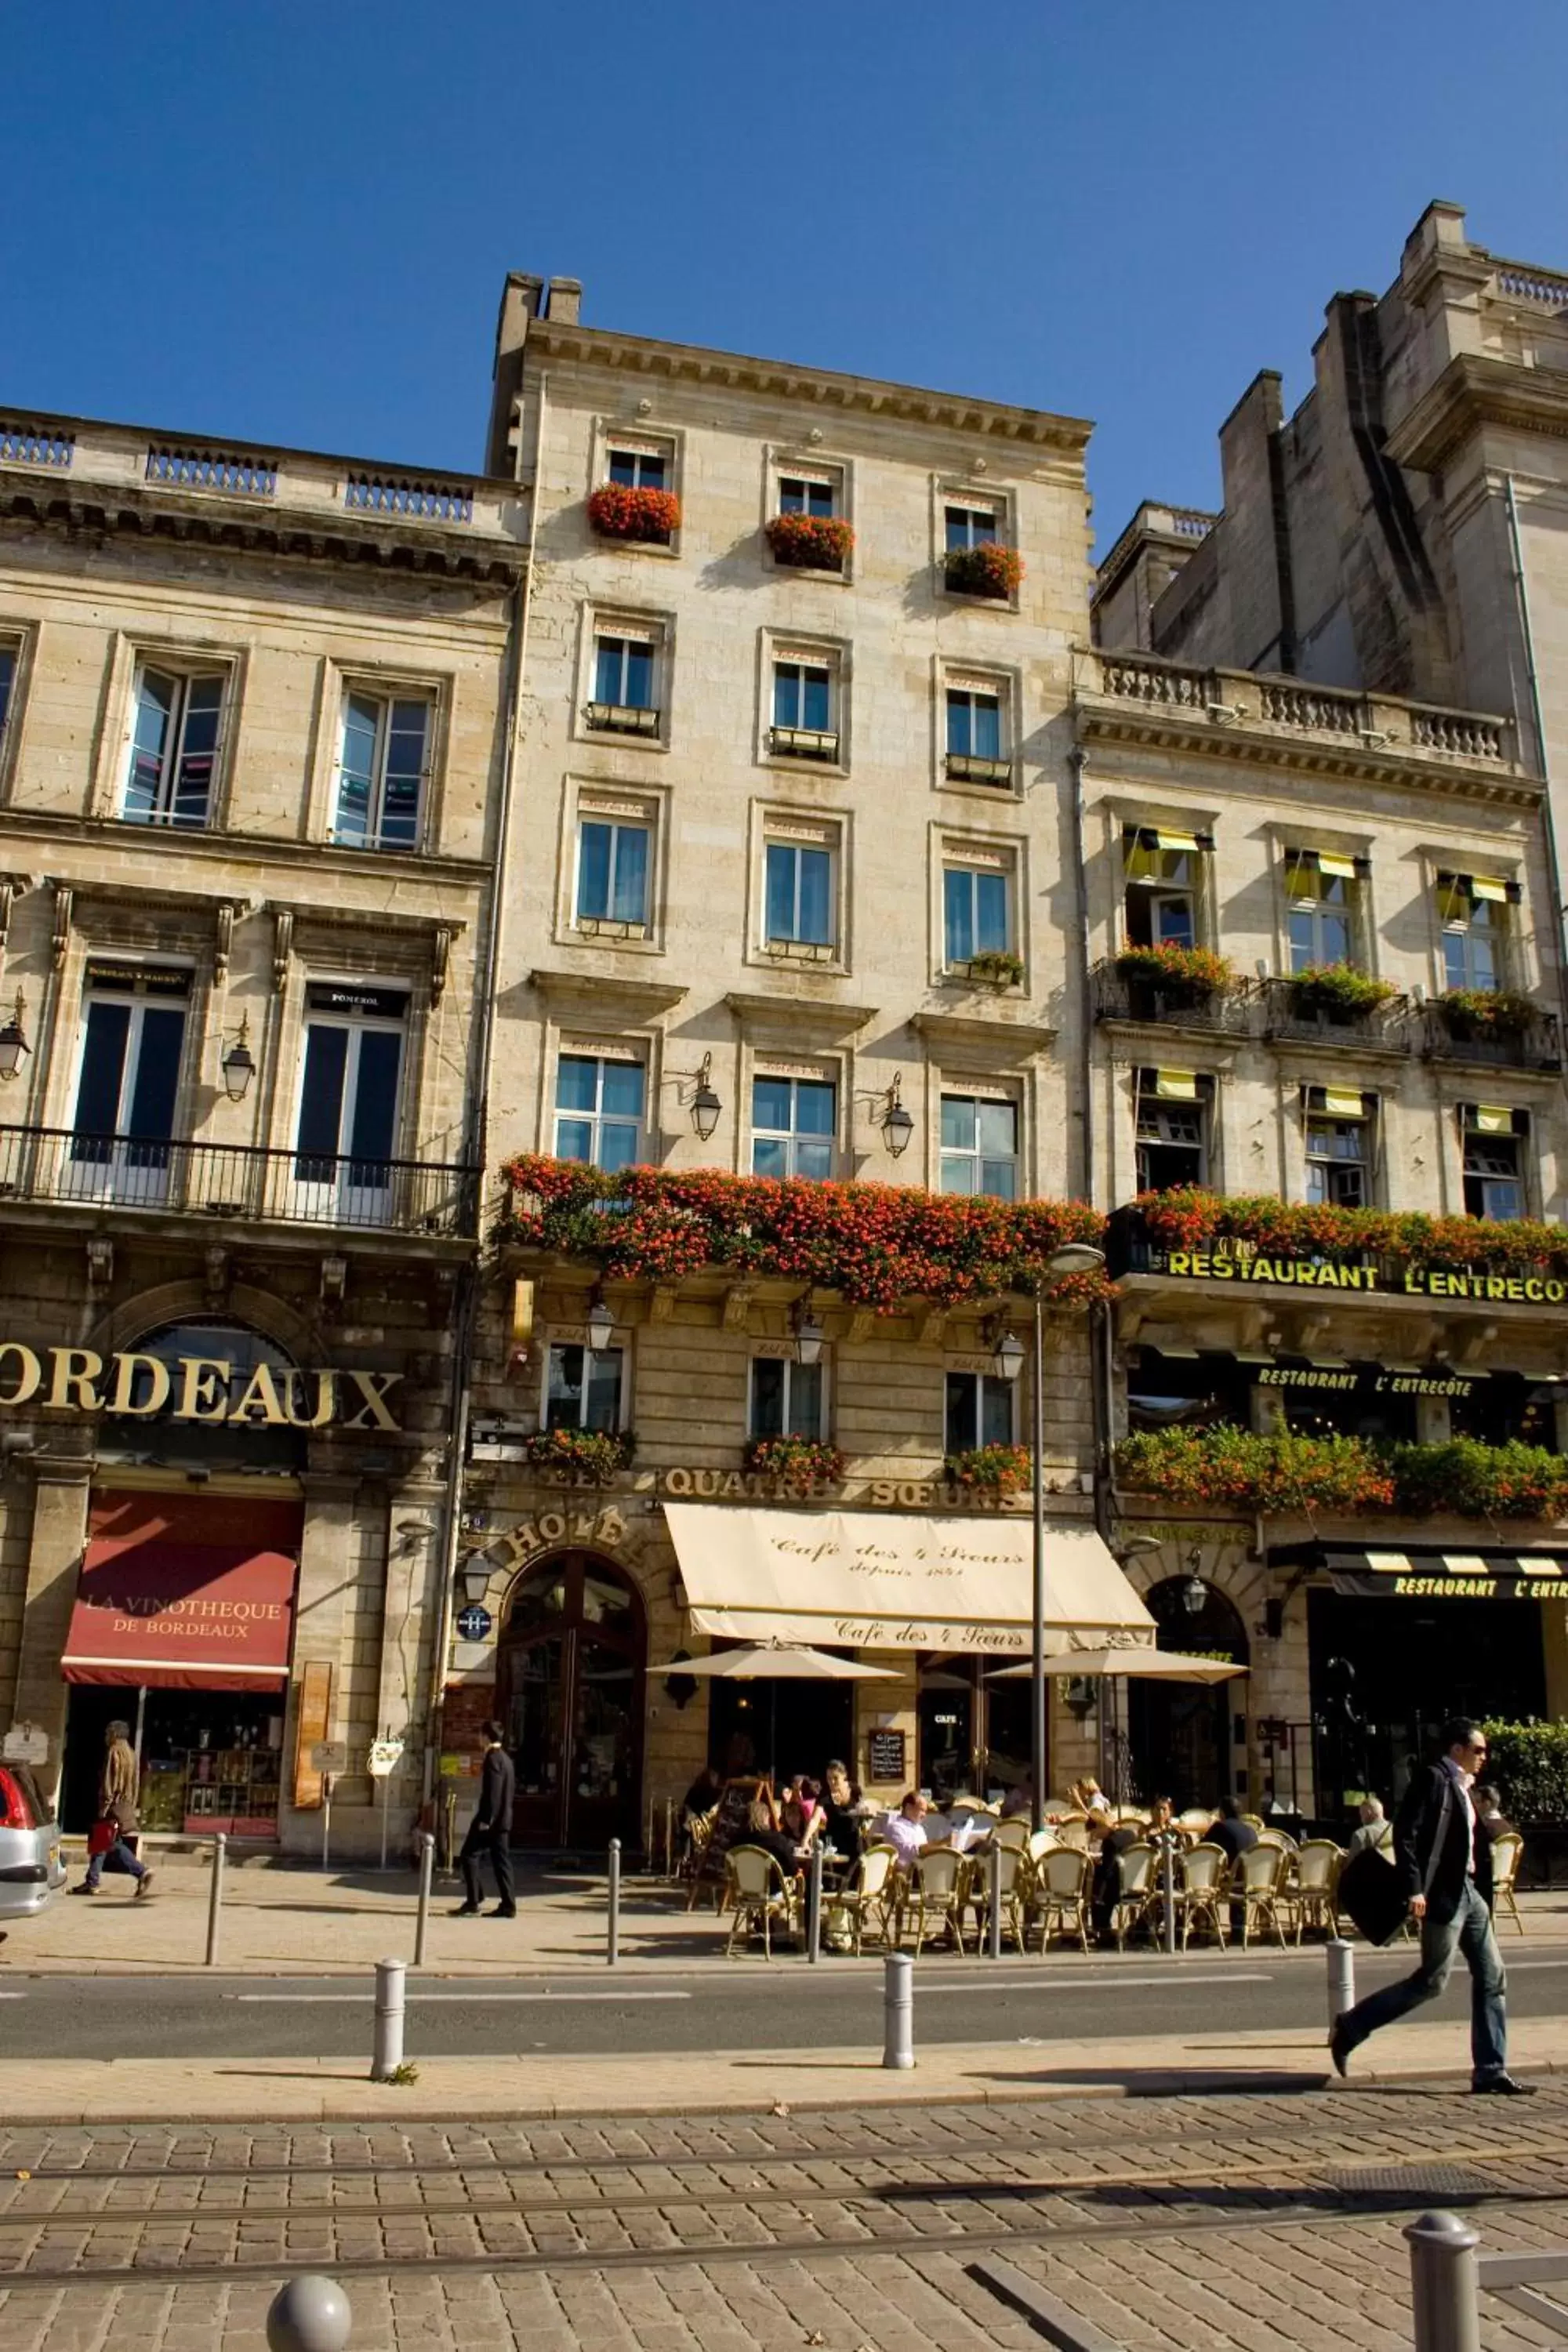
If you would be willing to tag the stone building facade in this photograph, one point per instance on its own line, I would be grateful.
(253, 722)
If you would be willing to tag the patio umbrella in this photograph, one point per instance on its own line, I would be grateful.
(787, 1661)
(1159, 1665)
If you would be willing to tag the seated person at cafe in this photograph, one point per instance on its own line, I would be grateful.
(839, 1798)
(801, 1816)
(1088, 1796)
(1230, 1831)
(703, 1794)
(1373, 1828)
(1489, 1813)
(1113, 1844)
(1019, 1801)
(760, 1831)
(906, 1828)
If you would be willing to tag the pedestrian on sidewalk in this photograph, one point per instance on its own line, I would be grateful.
(1444, 1854)
(118, 1813)
(490, 1832)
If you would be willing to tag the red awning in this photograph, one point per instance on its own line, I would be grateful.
(182, 1594)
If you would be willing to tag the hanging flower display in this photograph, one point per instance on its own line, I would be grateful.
(990, 1469)
(618, 511)
(810, 542)
(988, 570)
(587, 1457)
(795, 1461)
(1185, 1218)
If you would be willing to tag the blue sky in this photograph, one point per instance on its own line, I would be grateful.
(289, 219)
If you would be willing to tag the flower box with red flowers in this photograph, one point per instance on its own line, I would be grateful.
(794, 1461)
(1478, 1015)
(1173, 976)
(583, 1457)
(804, 543)
(617, 510)
(1394, 1242)
(990, 1469)
(989, 570)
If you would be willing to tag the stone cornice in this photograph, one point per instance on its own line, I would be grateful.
(1472, 391)
(1281, 752)
(248, 852)
(818, 387)
(132, 510)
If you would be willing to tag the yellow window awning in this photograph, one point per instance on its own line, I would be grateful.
(1491, 1118)
(1339, 1103)
(1486, 886)
(1176, 1086)
(892, 1580)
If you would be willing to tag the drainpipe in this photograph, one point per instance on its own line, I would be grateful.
(1101, 1374)
(1538, 725)
(466, 1319)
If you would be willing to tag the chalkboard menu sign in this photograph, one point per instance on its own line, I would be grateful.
(884, 1757)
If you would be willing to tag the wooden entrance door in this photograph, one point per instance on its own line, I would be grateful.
(572, 1659)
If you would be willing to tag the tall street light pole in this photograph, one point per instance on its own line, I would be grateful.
(1075, 1258)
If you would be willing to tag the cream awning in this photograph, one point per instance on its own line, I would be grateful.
(894, 1581)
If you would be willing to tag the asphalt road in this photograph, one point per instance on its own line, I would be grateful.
(739, 2005)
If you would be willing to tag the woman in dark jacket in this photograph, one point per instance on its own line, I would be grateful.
(117, 1807)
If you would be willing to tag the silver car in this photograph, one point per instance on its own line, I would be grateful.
(31, 1869)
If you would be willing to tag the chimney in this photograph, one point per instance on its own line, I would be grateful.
(563, 302)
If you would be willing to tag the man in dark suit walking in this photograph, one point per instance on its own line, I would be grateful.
(490, 1833)
(1444, 1855)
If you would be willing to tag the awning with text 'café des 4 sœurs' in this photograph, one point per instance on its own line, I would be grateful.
(886, 1581)
(186, 1593)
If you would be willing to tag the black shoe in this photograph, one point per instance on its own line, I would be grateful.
(1339, 2048)
(504, 1911)
(464, 1911)
(1503, 2087)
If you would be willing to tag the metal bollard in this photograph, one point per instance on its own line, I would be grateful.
(813, 1906)
(613, 1938)
(898, 2009)
(214, 1896)
(1169, 1878)
(309, 2314)
(994, 1892)
(422, 1918)
(1444, 2286)
(388, 2056)
(1342, 1978)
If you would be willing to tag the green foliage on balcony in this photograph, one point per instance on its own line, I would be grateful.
(1283, 1474)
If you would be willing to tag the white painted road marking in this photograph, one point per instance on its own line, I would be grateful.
(1086, 1983)
(290, 2000)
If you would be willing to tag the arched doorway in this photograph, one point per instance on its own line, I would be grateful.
(1182, 1735)
(572, 1656)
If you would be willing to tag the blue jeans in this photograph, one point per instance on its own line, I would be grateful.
(1469, 1931)
(119, 1857)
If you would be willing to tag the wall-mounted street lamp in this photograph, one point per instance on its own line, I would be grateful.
(706, 1105)
(475, 1578)
(14, 1045)
(601, 1327)
(239, 1064)
(1195, 1596)
(898, 1124)
(1009, 1357)
(808, 1334)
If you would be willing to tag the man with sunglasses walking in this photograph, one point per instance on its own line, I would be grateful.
(1444, 1854)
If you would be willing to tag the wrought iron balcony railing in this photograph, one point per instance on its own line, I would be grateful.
(237, 1182)
(1175, 1005)
(1288, 1014)
(1533, 1044)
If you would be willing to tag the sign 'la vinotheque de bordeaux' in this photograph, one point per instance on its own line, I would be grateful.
(192, 1388)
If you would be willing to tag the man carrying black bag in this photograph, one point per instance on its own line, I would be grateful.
(490, 1833)
(1444, 1857)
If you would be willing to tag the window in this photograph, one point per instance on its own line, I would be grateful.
(1173, 1130)
(350, 1094)
(611, 872)
(1320, 891)
(793, 1127)
(1339, 1147)
(583, 1389)
(976, 914)
(974, 736)
(174, 748)
(979, 1146)
(799, 495)
(1495, 1138)
(980, 1411)
(598, 1110)
(1161, 869)
(1473, 911)
(786, 1398)
(7, 684)
(382, 771)
(624, 701)
(804, 724)
(128, 1078)
(639, 470)
(969, 527)
(799, 895)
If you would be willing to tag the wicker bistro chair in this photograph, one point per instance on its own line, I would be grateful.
(937, 1894)
(1313, 1883)
(1013, 1832)
(1074, 1832)
(1202, 1880)
(1137, 1888)
(869, 1898)
(1018, 1891)
(1041, 1843)
(1257, 1888)
(1063, 1878)
(1281, 1838)
(759, 1895)
(1508, 1852)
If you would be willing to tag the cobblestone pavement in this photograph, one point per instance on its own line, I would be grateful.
(1252, 2222)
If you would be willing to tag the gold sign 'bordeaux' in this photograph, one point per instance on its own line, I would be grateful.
(192, 1388)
